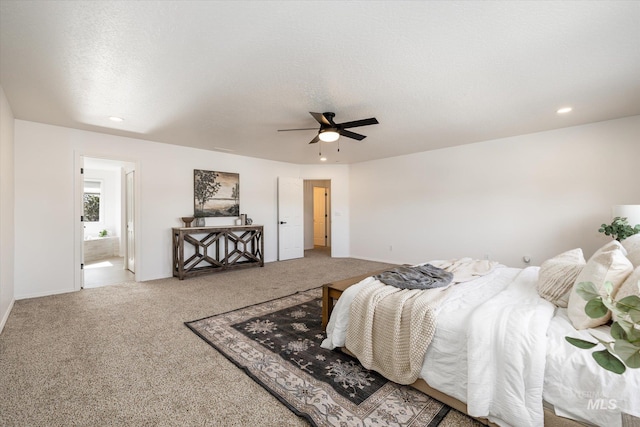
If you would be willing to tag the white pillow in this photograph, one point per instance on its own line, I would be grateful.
(613, 244)
(629, 287)
(608, 264)
(632, 243)
(557, 276)
(632, 246)
(634, 258)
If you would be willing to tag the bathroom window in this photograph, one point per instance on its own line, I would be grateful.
(93, 208)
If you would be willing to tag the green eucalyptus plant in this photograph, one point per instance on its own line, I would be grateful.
(619, 229)
(623, 347)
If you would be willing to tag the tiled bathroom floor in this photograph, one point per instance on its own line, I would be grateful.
(106, 272)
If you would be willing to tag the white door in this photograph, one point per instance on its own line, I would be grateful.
(290, 218)
(130, 209)
(319, 216)
(79, 279)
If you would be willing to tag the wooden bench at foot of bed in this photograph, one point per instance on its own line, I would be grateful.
(332, 291)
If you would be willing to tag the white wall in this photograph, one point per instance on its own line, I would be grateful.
(7, 241)
(45, 219)
(536, 195)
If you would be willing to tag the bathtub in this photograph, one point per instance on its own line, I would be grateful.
(97, 248)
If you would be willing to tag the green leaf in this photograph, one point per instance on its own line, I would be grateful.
(631, 305)
(617, 332)
(633, 335)
(619, 229)
(628, 352)
(585, 345)
(587, 290)
(634, 339)
(595, 308)
(608, 302)
(608, 287)
(609, 362)
(628, 303)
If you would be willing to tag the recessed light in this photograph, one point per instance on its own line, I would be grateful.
(564, 110)
(223, 149)
(323, 159)
(116, 119)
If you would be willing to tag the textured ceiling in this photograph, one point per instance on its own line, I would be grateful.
(227, 75)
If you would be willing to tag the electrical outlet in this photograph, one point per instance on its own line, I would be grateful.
(390, 248)
(487, 257)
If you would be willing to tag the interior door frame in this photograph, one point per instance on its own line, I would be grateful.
(325, 206)
(129, 198)
(78, 165)
(78, 210)
(309, 183)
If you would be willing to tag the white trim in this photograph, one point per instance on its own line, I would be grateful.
(387, 261)
(45, 294)
(79, 157)
(78, 208)
(6, 315)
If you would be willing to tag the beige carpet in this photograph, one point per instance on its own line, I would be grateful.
(121, 355)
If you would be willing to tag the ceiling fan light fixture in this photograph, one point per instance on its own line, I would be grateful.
(328, 135)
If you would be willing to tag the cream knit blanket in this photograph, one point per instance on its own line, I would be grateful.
(390, 328)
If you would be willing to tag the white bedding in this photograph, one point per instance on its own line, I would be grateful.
(571, 376)
(506, 341)
(495, 387)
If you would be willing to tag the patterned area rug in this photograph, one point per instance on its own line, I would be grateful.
(277, 343)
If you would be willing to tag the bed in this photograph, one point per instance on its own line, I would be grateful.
(499, 351)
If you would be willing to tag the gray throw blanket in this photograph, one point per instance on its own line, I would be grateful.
(419, 277)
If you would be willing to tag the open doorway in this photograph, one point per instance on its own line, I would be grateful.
(317, 218)
(108, 226)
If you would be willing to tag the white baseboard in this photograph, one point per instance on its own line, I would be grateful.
(376, 260)
(6, 315)
(44, 294)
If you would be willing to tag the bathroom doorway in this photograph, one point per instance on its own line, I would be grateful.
(108, 222)
(317, 217)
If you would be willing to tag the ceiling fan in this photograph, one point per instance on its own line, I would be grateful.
(330, 131)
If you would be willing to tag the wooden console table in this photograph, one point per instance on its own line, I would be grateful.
(202, 250)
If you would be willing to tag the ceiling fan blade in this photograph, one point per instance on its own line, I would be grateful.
(353, 135)
(356, 123)
(320, 118)
(314, 140)
(287, 130)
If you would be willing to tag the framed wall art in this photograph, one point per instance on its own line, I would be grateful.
(216, 193)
